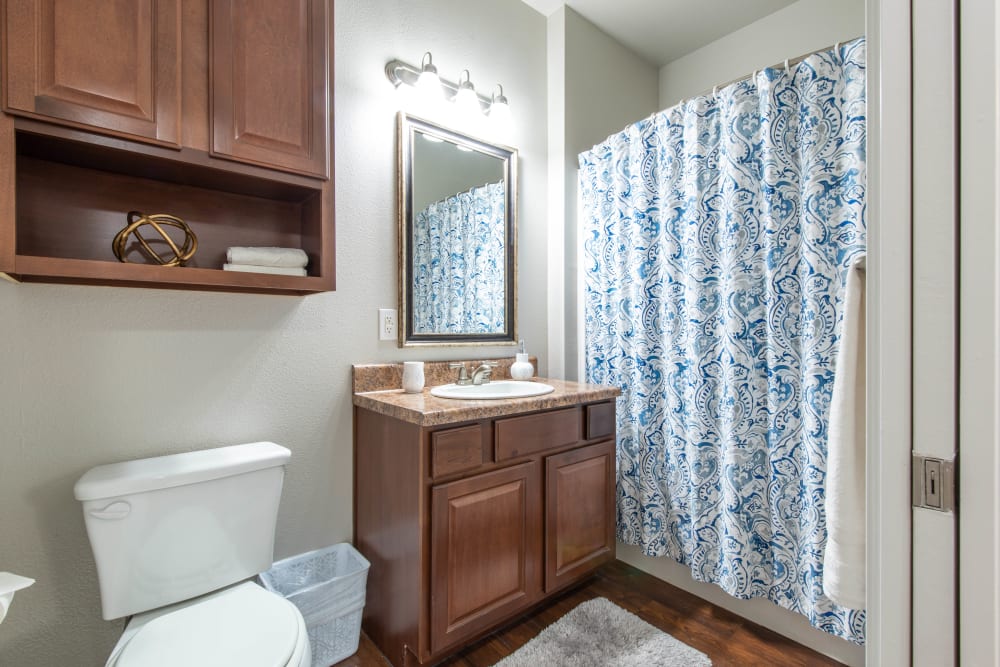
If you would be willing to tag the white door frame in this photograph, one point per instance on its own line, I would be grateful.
(934, 91)
(979, 335)
(889, 333)
(890, 382)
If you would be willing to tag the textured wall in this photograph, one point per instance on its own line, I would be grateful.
(608, 87)
(92, 375)
(792, 31)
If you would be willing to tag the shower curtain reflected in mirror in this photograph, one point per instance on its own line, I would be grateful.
(459, 258)
(718, 235)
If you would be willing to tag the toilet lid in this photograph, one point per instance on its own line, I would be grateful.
(244, 625)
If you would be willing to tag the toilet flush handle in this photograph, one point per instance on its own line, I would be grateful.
(116, 510)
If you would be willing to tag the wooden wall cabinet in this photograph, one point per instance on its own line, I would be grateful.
(112, 66)
(186, 107)
(269, 83)
(468, 525)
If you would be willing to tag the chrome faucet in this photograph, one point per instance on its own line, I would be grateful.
(481, 375)
(463, 373)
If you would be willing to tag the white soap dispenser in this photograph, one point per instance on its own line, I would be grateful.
(522, 369)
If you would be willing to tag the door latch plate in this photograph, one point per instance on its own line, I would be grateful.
(933, 483)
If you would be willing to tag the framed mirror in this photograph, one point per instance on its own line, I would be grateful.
(457, 237)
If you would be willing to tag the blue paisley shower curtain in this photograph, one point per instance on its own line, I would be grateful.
(459, 262)
(718, 235)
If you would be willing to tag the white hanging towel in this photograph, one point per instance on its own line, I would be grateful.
(844, 560)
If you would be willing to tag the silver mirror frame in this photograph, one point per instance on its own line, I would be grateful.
(407, 126)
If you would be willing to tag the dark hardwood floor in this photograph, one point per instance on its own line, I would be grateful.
(729, 640)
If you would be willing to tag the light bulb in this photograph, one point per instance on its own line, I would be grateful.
(429, 84)
(500, 110)
(466, 99)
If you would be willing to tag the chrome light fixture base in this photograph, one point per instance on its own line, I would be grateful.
(399, 72)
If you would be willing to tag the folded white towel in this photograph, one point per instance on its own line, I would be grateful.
(273, 270)
(292, 258)
(844, 560)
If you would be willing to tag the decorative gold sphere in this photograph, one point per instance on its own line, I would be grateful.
(156, 221)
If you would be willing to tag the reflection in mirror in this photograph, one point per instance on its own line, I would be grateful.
(457, 231)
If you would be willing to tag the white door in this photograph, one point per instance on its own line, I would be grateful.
(979, 359)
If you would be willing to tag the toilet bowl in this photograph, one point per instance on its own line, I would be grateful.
(176, 540)
(244, 625)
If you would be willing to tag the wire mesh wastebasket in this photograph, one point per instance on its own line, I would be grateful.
(328, 587)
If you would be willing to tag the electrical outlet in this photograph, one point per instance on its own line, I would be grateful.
(387, 324)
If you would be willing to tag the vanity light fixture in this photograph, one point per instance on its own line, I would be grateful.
(463, 93)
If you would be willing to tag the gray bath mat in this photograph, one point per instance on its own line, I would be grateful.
(599, 633)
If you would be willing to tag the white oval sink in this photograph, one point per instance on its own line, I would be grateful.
(492, 390)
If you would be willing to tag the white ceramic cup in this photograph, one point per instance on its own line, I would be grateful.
(413, 377)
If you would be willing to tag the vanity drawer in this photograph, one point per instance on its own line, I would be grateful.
(600, 420)
(456, 449)
(522, 436)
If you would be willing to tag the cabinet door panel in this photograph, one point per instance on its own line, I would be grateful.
(109, 65)
(485, 550)
(579, 512)
(270, 83)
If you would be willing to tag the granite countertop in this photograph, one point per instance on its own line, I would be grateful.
(426, 410)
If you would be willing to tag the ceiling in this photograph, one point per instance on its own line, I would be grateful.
(662, 31)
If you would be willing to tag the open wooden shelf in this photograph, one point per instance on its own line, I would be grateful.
(90, 272)
(72, 195)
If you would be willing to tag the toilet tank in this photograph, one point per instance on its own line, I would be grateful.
(171, 528)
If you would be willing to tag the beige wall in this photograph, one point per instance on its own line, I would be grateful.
(797, 29)
(91, 375)
(94, 375)
(604, 87)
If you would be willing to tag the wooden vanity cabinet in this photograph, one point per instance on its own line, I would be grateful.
(467, 525)
(486, 550)
(579, 512)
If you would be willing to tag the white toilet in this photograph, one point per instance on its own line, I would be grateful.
(175, 539)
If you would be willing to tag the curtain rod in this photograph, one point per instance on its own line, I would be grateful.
(784, 64)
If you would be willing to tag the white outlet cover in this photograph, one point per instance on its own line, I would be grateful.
(387, 324)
